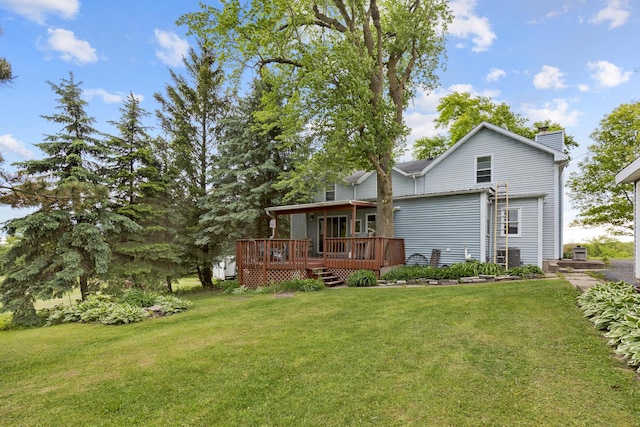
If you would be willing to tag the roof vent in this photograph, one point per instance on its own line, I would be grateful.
(543, 129)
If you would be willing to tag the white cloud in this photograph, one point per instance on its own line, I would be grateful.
(466, 25)
(584, 88)
(608, 74)
(69, 47)
(107, 98)
(557, 111)
(172, 47)
(495, 74)
(616, 13)
(549, 78)
(9, 144)
(37, 10)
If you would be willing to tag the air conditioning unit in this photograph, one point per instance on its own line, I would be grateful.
(514, 257)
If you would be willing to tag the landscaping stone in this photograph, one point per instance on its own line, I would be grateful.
(401, 282)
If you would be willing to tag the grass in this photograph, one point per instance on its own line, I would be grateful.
(516, 353)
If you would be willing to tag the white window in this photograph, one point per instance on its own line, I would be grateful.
(330, 194)
(358, 226)
(510, 222)
(484, 169)
(371, 223)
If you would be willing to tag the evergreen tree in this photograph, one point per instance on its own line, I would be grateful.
(252, 160)
(190, 114)
(63, 243)
(139, 193)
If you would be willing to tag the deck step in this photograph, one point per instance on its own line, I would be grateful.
(328, 278)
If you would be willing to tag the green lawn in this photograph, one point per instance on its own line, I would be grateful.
(517, 353)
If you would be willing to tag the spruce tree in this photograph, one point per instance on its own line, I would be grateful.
(189, 115)
(63, 244)
(255, 154)
(139, 192)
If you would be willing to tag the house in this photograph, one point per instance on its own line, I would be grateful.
(631, 174)
(493, 196)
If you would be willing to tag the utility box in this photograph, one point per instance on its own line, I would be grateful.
(579, 253)
(514, 257)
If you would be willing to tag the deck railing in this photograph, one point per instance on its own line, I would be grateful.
(350, 253)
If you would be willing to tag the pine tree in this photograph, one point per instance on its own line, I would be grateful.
(190, 115)
(253, 158)
(63, 244)
(139, 193)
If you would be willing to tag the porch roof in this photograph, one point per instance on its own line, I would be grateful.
(319, 206)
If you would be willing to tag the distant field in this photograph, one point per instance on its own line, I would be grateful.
(517, 353)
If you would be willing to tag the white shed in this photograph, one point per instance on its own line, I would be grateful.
(631, 174)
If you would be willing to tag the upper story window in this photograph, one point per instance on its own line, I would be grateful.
(330, 194)
(484, 169)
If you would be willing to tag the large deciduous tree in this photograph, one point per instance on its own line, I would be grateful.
(190, 113)
(460, 112)
(349, 67)
(593, 190)
(63, 243)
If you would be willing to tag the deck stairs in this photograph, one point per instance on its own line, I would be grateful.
(328, 278)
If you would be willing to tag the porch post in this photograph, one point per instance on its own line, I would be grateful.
(353, 221)
(324, 236)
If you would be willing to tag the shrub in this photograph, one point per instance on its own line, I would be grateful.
(110, 311)
(526, 271)
(362, 278)
(454, 272)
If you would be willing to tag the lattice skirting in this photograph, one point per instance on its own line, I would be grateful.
(252, 278)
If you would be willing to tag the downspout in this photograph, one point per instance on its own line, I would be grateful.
(273, 218)
(355, 192)
(415, 184)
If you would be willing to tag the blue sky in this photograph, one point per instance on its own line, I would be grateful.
(571, 61)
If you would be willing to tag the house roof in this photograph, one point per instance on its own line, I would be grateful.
(358, 177)
(413, 167)
(558, 156)
(318, 206)
(629, 174)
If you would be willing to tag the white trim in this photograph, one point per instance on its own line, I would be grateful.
(504, 223)
(475, 174)
(540, 231)
(631, 173)
(636, 240)
(358, 226)
(556, 212)
(484, 206)
(367, 220)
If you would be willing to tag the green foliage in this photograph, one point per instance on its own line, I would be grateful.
(293, 285)
(615, 307)
(460, 112)
(190, 114)
(362, 278)
(106, 309)
(603, 247)
(453, 272)
(347, 73)
(594, 192)
(526, 271)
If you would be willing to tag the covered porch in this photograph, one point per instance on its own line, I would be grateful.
(262, 261)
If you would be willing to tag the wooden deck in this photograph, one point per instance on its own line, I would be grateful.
(262, 261)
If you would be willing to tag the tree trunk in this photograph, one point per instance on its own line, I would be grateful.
(205, 275)
(84, 286)
(384, 212)
(168, 281)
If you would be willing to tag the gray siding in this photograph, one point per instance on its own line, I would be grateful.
(298, 226)
(368, 188)
(448, 223)
(402, 185)
(527, 242)
(553, 140)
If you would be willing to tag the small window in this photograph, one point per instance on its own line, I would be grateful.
(358, 226)
(371, 223)
(510, 222)
(483, 169)
(330, 194)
